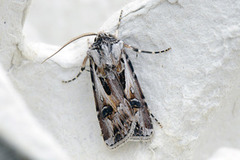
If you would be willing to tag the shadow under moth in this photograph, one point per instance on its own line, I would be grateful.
(120, 104)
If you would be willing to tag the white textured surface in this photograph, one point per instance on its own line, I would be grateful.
(193, 90)
(226, 154)
(56, 21)
(20, 129)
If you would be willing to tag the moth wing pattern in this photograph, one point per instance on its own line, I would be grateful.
(114, 112)
(133, 92)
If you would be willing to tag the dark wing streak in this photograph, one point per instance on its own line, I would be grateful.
(133, 92)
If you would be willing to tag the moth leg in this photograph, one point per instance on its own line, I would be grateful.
(142, 51)
(82, 69)
(156, 120)
(119, 21)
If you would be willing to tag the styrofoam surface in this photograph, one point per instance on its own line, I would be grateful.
(226, 153)
(193, 89)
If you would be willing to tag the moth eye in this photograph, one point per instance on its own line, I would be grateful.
(135, 103)
(106, 111)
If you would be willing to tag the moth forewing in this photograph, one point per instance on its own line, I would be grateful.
(134, 94)
(121, 108)
(114, 112)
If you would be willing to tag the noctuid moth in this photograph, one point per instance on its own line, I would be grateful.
(121, 108)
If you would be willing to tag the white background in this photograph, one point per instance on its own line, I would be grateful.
(193, 89)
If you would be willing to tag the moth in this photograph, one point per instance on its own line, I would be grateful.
(121, 108)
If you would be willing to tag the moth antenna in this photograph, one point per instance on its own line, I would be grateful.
(74, 39)
(119, 22)
(141, 51)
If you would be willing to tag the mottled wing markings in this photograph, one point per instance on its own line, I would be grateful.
(114, 112)
(133, 92)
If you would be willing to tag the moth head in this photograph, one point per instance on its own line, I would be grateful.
(106, 50)
(104, 37)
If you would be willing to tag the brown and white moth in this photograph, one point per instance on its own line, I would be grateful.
(121, 108)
